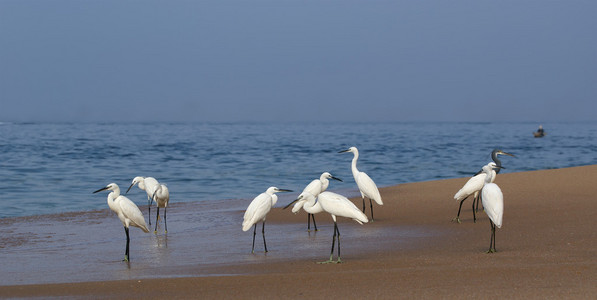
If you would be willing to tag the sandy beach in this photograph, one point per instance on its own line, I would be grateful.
(547, 248)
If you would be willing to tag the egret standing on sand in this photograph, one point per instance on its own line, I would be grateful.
(161, 196)
(335, 205)
(366, 185)
(493, 204)
(314, 188)
(257, 211)
(148, 184)
(498, 162)
(474, 185)
(128, 213)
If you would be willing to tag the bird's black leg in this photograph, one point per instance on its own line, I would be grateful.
(126, 252)
(491, 240)
(263, 233)
(474, 214)
(338, 231)
(477, 200)
(165, 223)
(308, 222)
(457, 219)
(494, 249)
(149, 211)
(371, 204)
(363, 204)
(314, 225)
(333, 243)
(254, 231)
(157, 217)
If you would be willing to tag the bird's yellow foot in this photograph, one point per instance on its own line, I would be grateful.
(126, 258)
(155, 231)
(492, 250)
(457, 219)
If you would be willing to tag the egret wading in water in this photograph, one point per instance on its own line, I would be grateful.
(257, 211)
(366, 185)
(149, 185)
(498, 163)
(128, 213)
(161, 196)
(474, 185)
(493, 204)
(335, 205)
(314, 188)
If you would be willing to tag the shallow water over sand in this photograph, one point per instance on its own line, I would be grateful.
(89, 246)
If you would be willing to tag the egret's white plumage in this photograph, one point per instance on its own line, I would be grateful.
(126, 210)
(337, 206)
(161, 196)
(493, 203)
(366, 185)
(472, 187)
(258, 210)
(149, 185)
(314, 188)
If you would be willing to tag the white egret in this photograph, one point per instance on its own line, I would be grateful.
(128, 213)
(161, 196)
(149, 185)
(493, 204)
(498, 162)
(316, 187)
(474, 185)
(257, 211)
(366, 185)
(335, 205)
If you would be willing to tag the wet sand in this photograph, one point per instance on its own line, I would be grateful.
(546, 248)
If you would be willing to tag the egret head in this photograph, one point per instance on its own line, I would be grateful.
(327, 175)
(137, 180)
(303, 197)
(110, 187)
(271, 190)
(351, 149)
(496, 152)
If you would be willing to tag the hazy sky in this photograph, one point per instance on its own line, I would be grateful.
(284, 60)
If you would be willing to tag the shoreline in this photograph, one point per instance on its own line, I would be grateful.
(546, 248)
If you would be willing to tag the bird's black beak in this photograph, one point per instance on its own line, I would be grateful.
(337, 178)
(127, 190)
(498, 167)
(102, 189)
(283, 190)
(344, 151)
(506, 153)
(291, 203)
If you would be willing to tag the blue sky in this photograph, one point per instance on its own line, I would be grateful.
(283, 60)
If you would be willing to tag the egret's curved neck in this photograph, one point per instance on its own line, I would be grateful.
(494, 157)
(489, 176)
(111, 197)
(324, 184)
(354, 164)
(310, 202)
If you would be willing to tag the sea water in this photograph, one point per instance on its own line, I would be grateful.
(55, 167)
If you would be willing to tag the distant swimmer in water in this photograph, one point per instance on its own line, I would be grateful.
(539, 132)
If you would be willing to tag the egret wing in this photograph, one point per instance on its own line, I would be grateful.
(493, 203)
(132, 213)
(368, 187)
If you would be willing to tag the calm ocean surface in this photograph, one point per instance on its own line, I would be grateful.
(53, 168)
